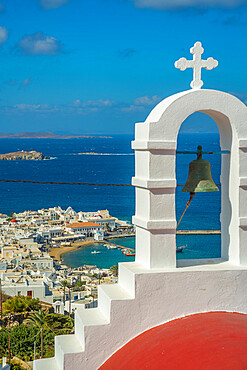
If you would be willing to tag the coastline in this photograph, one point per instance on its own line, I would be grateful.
(57, 253)
(49, 135)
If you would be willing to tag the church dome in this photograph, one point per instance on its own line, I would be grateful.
(214, 340)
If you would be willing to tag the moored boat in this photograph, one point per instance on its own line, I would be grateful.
(129, 253)
(111, 246)
(180, 249)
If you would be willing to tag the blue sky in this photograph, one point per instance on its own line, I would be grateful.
(99, 66)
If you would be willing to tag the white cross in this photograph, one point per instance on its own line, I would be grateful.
(197, 64)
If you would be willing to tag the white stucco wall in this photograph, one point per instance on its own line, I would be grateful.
(147, 298)
(38, 291)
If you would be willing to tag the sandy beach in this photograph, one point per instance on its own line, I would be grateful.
(56, 253)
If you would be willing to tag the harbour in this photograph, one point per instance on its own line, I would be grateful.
(196, 246)
(68, 166)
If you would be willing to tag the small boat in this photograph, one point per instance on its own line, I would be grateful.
(112, 246)
(129, 253)
(95, 252)
(180, 249)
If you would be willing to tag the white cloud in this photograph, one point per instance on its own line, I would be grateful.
(34, 107)
(171, 4)
(26, 82)
(22, 83)
(146, 100)
(39, 44)
(133, 108)
(51, 4)
(141, 104)
(76, 103)
(3, 35)
(100, 103)
(85, 111)
(46, 4)
(28, 107)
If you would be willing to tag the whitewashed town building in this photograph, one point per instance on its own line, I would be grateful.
(84, 228)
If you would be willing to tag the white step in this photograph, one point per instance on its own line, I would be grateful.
(86, 318)
(115, 291)
(126, 276)
(66, 344)
(46, 364)
(92, 316)
(108, 294)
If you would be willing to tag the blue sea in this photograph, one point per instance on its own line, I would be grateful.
(114, 164)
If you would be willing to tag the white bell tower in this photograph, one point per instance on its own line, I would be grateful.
(155, 180)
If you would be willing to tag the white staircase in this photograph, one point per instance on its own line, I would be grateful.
(92, 326)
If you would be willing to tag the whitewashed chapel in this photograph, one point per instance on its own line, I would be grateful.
(156, 289)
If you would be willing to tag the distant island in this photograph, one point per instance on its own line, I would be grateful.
(23, 155)
(47, 135)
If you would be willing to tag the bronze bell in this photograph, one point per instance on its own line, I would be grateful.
(200, 177)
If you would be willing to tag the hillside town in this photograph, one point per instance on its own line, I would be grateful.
(29, 243)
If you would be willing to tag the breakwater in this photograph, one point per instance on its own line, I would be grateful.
(178, 232)
(198, 232)
(118, 236)
(120, 246)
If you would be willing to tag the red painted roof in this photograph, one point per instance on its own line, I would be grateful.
(207, 341)
(77, 225)
(14, 220)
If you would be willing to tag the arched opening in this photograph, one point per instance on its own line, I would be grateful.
(203, 215)
(155, 180)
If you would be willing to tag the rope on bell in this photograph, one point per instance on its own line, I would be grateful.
(187, 206)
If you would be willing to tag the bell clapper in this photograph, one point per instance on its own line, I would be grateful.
(187, 205)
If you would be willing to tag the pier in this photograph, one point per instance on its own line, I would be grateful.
(116, 236)
(120, 246)
(178, 232)
(198, 232)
